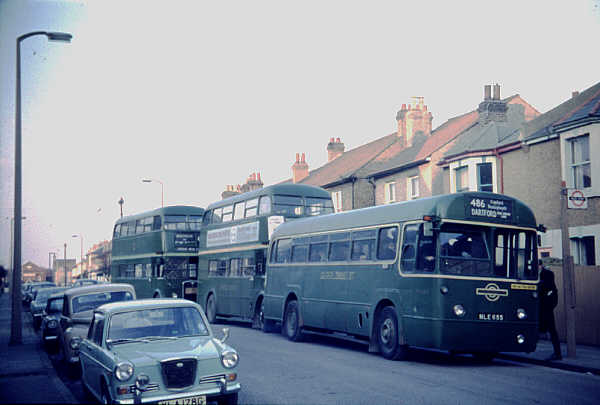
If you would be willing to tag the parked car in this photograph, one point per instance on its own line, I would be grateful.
(51, 321)
(157, 350)
(78, 307)
(29, 290)
(38, 304)
(85, 281)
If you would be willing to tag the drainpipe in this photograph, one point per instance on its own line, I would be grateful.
(372, 182)
(501, 170)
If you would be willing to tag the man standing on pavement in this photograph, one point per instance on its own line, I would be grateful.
(548, 301)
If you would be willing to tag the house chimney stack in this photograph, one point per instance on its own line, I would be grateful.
(299, 168)
(414, 120)
(335, 149)
(492, 109)
(574, 94)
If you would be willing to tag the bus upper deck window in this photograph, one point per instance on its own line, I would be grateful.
(251, 208)
(264, 205)
(238, 210)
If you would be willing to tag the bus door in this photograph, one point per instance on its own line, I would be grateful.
(157, 283)
(189, 288)
(251, 282)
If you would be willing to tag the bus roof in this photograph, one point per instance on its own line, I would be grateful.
(284, 189)
(170, 210)
(446, 206)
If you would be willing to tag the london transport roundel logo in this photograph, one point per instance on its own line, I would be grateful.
(492, 292)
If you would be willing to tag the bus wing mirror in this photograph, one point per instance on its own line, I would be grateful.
(427, 229)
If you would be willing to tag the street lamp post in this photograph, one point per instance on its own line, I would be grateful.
(80, 236)
(50, 254)
(162, 189)
(121, 201)
(16, 332)
(65, 264)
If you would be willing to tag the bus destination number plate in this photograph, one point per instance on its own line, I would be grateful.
(195, 400)
(490, 317)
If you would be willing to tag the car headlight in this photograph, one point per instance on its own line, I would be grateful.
(123, 371)
(52, 324)
(229, 358)
(74, 343)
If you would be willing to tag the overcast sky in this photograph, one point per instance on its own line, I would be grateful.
(201, 94)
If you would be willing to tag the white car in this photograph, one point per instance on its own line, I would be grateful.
(157, 350)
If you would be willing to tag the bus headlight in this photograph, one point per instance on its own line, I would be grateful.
(521, 314)
(124, 371)
(229, 359)
(520, 339)
(459, 310)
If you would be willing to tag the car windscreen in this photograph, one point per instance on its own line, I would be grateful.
(170, 322)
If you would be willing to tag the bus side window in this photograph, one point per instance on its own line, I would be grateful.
(216, 215)
(299, 250)
(212, 268)
(387, 243)
(283, 252)
(234, 268)
(222, 270)
(339, 246)
(248, 267)
(117, 231)
(157, 223)
(318, 248)
(409, 248)
(264, 205)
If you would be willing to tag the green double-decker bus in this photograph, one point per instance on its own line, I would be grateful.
(157, 252)
(234, 241)
(455, 272)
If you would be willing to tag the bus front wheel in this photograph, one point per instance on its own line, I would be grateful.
(388, 335)
(291, 323)
(211, 309)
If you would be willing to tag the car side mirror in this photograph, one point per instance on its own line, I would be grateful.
(225, 335)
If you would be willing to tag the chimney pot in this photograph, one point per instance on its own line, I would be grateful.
(303, 158)
(297, 158)
(496, 91)
(487, 92)
(331, 140)
(338, 140)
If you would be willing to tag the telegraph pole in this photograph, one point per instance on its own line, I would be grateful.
(568, 274)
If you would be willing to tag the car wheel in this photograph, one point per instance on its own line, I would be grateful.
(291, 323)
(230, 399)
(211, 309)
(388, 335)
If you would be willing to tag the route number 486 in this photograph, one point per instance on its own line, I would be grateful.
(478, 203)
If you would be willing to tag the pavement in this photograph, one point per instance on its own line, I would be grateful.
(28, 377)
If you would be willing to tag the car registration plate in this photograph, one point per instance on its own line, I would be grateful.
(195, 400)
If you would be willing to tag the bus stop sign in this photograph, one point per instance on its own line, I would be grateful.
(576, 199)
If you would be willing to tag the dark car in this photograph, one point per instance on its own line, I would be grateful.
(30, 288)
(38, 304)
(51, 321)
(78, 306)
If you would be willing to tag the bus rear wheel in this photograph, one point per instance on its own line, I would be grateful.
(388, 335)
(291, 322)
(211, 309)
